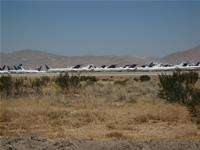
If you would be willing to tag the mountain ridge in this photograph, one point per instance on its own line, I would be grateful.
(32, 58)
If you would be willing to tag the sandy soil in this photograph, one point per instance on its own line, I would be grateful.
(39, 143)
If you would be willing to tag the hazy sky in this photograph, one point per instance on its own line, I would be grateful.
(137, 28)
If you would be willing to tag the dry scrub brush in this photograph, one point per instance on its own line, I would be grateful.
(99, 110)
(50, 119)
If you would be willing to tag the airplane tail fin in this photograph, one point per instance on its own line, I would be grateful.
(77, 66)
(19, 67)
(132, 66)
(40, 68)
(8, 68)
(198, 64)
(47, 67)
(15, 67)
(3, 67)
(151, 64)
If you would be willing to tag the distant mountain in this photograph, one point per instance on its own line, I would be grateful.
(35, 58)
(192, 55)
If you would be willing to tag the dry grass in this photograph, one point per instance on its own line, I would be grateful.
(99, 111)
(141, 121)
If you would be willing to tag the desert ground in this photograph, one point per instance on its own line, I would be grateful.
(113, 112)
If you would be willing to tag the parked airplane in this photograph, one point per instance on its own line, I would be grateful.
(187, 66)
(168, 67)
(110, 68)
(107, 68)
(20, 69)
(131, 67)
(2, 70)
(76, 68)
(48, 69)
(195, 67)
(89, 67)
(145, 67)
(38, 70)
(161, 67)
(16, 69)
(99, 69)
(124, 68)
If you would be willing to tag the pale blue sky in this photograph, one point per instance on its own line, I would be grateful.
(137, 28)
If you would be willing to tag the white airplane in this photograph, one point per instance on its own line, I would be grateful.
(16, 70)
(89, 67)
(124, 68)
(48, 69)
(20, 69)
(144, 67)
(131, 67)
(99, 69)
(194, 67)
(167, 67)
(182, 65)
(161, 67)
(110, 68)
(76, 68)
(3, 71)
(38, 70)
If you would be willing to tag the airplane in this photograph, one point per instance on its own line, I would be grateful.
(48, 69)
(16, 69)
(161, 67)
(89, 67)
(187, 66)
(99, 69)
(76, 68)
(114, 68)
(38, 70)
(124, 68)
(195, 67)
(145, 67)
(20, 69)
(168, 67)
(131, 67)
(2, 70)
(107, 68)
(110, 68)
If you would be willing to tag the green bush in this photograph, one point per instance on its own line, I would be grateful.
(90, 79)
(119, 82)
(45, 80)
(6, 85)
(180, 88)
(74, 82)
(194, 102)
(144, 78)
(177, 87)
(63, 81)
(136, 79)
(19, 85)
(37, 84)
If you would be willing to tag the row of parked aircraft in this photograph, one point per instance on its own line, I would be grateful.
(78, 68)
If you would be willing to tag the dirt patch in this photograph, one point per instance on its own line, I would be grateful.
(39, 143)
